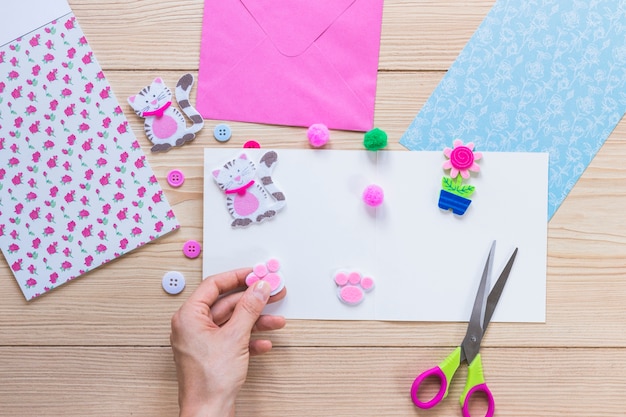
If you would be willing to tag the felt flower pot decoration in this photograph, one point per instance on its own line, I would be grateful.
(454, 202)
(461, 161)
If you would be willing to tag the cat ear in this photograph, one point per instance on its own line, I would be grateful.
(131, 100)
(216, 173)
(243, 156)
(158, 80)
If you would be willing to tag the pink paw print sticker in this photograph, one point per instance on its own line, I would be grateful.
(267, 272)
(352, 286)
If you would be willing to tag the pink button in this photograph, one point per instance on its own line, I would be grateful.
(251, 144)
(192, 249)
(175, 178)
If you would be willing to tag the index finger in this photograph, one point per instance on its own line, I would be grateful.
(212, 287)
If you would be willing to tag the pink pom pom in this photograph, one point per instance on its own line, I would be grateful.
(318, 135)
(373, 195)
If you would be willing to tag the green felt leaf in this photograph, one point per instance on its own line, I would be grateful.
(465, 190)
(456, 186)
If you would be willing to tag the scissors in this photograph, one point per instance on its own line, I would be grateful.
(469, 349)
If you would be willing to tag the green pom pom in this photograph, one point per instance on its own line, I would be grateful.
(375, 139)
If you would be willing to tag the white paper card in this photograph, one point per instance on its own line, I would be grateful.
(24, 16)
(426, 262)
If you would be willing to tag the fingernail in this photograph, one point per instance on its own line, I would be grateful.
(262, 290)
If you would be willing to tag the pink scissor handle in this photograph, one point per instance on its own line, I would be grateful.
(443, 387)
(491, 405)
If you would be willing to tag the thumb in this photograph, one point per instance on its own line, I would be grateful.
(250, 306)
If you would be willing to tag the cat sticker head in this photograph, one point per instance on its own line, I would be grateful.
(235, 173)
(151, 98)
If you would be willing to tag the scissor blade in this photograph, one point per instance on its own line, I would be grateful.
(471, 342)
(478, 311)
(496, 291)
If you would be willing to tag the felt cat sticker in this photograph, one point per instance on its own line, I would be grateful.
(164, 125)
(251, 195)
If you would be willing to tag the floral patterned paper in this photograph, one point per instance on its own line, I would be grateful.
(76, 190)
(542, 75)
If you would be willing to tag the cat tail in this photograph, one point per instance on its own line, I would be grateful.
(266, 166)
(183, 88)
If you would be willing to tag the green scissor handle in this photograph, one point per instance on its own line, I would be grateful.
(476, 383)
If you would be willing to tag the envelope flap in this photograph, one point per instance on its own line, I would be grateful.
(293, 25)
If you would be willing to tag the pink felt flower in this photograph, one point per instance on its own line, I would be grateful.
(461, 159)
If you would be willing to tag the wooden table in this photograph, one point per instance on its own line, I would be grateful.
(99, 346)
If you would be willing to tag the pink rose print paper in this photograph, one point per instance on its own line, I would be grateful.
(76, 190)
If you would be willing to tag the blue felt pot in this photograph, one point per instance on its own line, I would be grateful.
(456, 203)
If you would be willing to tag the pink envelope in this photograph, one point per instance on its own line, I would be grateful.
(290, 62)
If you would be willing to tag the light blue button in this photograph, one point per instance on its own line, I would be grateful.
(222, 132)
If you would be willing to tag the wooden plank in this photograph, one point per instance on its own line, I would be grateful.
(341, 382)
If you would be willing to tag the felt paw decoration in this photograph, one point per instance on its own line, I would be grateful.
(352, 286)
(251, 195)
(267, 272)
(461, 160)
(164, 125)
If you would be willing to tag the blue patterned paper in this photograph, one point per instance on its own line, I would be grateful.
(543, 75)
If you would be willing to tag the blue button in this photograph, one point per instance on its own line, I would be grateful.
(222, 132)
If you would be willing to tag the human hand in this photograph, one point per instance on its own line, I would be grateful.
(211, 341)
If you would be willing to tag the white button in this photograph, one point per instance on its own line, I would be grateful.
(173, 282)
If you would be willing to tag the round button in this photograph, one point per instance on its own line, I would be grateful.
(191, 249)
(252, 144)
(175, 178)
(222, 132)
(173, 282)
